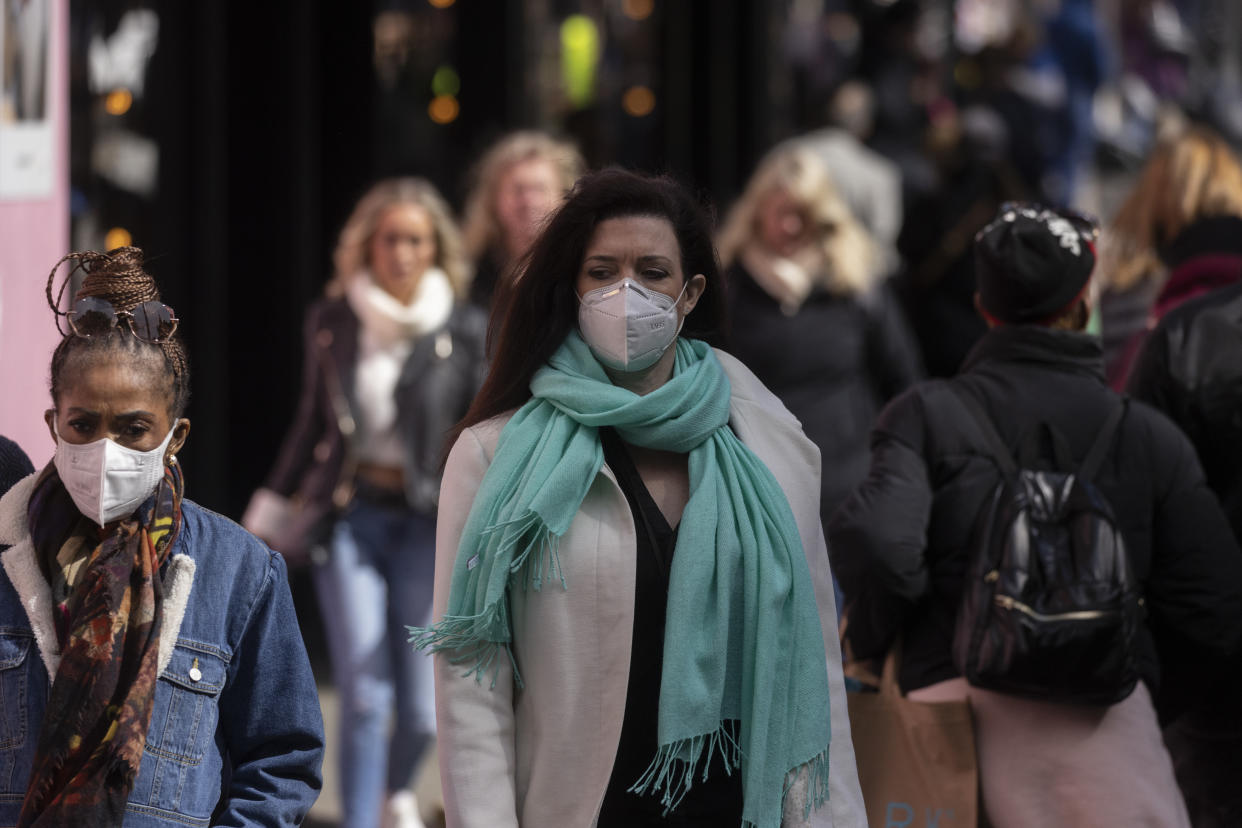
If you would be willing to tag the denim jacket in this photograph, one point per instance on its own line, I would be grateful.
(236, 735)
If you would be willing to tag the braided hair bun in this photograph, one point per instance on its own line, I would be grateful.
(119, 278)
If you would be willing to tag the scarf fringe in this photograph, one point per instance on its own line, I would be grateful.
(674, 775)
(670, 773)
(460, 636)
(538, 557)
(816, 770)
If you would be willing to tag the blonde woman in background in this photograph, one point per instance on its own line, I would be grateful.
(1177, 235)
(393, 358)
(514, 186)
(812, 314)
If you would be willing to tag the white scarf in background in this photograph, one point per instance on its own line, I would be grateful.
(390, 322)
(389, 330)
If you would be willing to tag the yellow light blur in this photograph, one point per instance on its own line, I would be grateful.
(637, 9)
(580, 53)
(118, 101)
(117, 237)
(638, 101)
(441, 4)
(443, 109)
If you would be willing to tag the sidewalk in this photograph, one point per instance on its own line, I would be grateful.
(326, 812)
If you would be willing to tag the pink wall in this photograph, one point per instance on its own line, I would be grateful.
(33, 235)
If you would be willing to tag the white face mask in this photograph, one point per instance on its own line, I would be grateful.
(107, 480)
(628, 326)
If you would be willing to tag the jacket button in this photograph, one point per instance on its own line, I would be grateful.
(195, 673)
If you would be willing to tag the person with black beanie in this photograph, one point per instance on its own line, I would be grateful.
(902, 543)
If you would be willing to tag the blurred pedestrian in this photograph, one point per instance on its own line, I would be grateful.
(1177, 235)
(633, 600)
(153, 670)
(1191, 369)
(902, 543)
(813, 315)
(868, 183)
(393, 358)
(515, 185)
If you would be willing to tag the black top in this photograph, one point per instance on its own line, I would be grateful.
(716, 802)
(833, 363)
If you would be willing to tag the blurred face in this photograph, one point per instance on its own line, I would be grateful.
(125, 400)
(783, 225)
(645, 249)
(403, 247)
(527, 192)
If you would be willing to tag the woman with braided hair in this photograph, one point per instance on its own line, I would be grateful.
(151, 668)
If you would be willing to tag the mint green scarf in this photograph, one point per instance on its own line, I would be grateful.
(742, 638)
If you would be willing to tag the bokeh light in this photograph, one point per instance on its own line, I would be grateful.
(446, 81)
(638, 101)
(443, 109)
(118, 101)
(117, 237)
(580, 52)
(637, 9)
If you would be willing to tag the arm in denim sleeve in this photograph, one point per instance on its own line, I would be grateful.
(878, 536)
(270, 717)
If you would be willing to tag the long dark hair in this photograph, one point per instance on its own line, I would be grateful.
(535, 312)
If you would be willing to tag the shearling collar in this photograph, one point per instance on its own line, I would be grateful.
(23, 570)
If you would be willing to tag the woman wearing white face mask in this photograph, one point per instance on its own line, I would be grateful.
(634, 614)
(151, 668)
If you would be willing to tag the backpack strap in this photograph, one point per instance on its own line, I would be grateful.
(995, 446)
(1103, 441)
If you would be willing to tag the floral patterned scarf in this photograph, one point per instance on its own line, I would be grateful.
(108, 628)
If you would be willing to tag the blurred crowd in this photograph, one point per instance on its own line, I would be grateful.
(851, 270)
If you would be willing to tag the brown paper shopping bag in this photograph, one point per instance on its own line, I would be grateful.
(916, 760)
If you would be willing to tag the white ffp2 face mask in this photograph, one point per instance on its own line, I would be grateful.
(628, 326)
(107, 480)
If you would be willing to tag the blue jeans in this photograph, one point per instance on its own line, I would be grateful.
(377, 580)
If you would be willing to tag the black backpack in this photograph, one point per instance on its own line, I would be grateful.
(1050, 607)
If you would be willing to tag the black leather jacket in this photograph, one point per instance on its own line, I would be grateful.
(1191, 369)
(437, 383)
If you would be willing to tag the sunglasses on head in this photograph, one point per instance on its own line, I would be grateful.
(152, 321)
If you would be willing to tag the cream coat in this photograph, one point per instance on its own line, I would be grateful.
(542, 755)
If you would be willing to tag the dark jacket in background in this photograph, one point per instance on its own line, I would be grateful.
(437, 384)
(833, 363)
(900, 544)
(14, 464)
(1191, 369)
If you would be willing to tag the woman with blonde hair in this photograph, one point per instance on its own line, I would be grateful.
(514, 186)
(1177, 235)
(393, 358)
(813, 315)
